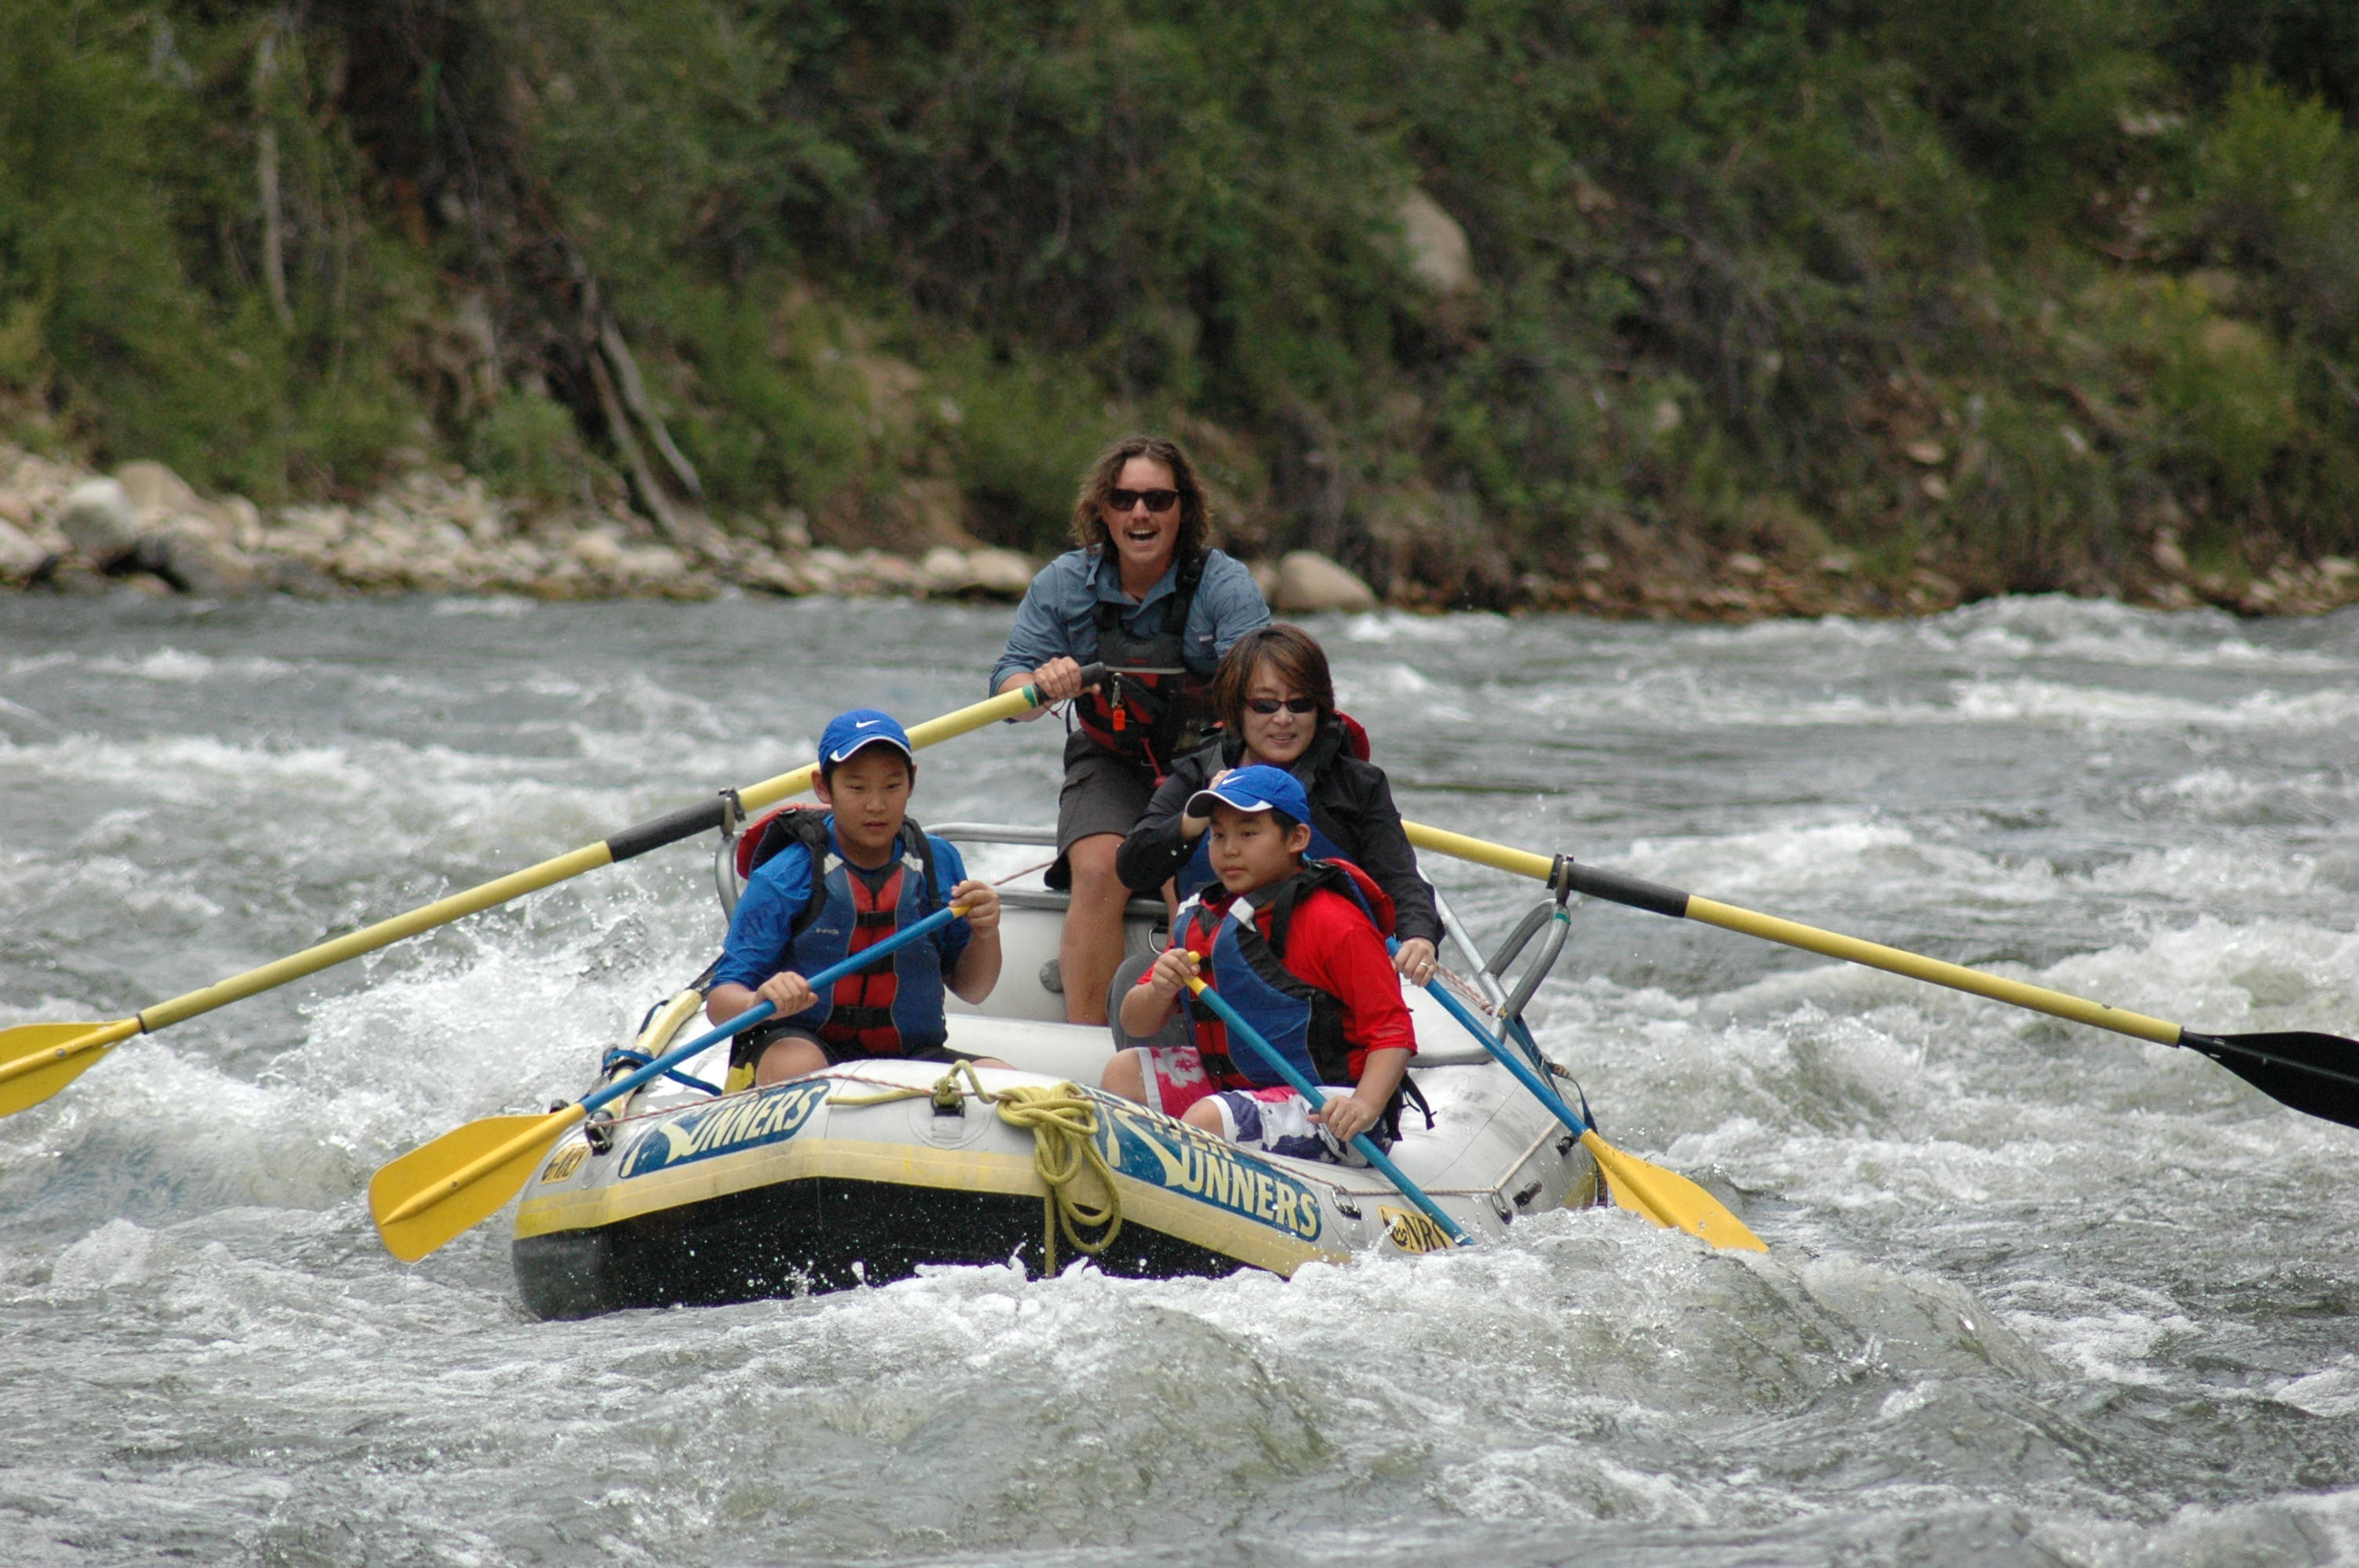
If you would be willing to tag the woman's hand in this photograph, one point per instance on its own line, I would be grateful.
(1173, 970)
(1416, 960)
(1192, 828)
(982, 900)
(787, 992)
(1060, 680)
(1346, 1116)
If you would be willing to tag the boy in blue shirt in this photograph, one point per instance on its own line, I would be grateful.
(826, 885)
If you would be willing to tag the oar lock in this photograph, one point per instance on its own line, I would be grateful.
(724, 853)
(1553, 912)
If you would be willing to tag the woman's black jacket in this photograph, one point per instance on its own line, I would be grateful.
(1351, 801)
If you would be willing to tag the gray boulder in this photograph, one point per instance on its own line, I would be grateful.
(194, 561)
(1001, 574)
(1309, 583)
(152, 487)
(1438, 252)
(19, 557)
(99, 523)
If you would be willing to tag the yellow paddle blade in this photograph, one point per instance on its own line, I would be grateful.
(36, 1059)
(445, 1188)
(1669, 1198)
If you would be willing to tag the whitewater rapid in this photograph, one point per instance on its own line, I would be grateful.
(2035, 1294)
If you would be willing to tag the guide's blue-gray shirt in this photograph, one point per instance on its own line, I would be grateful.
(1058, 616)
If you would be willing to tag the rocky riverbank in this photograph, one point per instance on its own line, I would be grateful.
(65, 529)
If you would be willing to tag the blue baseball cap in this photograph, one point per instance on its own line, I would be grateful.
(1257, 788)
(847, 732)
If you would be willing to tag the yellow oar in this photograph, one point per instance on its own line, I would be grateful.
(2314, 1073)
(445, 1188)
(36, 1059)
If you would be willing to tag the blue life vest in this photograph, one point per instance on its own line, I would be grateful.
(884, 1010)
(1301, 1022)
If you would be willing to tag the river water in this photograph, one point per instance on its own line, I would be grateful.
(2035, 1294)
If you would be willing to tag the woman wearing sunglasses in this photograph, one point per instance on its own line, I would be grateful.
(1144, 596)
(1277, 704)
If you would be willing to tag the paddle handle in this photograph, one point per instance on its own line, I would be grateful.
(1239, 1030)
(762, 1010)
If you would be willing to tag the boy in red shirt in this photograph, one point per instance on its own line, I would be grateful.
(1297, 947)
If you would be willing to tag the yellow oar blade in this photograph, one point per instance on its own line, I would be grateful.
(445, 1188)
(36, 1059)
(1669, 1199)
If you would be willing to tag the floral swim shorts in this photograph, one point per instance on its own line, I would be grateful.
(1275, 1120)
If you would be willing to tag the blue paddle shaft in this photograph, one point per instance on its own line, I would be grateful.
(1540, 1088)
(1239, 1030)
(762, 1010)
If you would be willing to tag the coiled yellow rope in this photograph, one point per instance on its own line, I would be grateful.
(1064, 1126)
(1063, 1121)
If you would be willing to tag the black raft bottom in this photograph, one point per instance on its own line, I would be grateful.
(807, 1237)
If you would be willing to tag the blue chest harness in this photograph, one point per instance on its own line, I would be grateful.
(887, 1012)
(1301, 1022)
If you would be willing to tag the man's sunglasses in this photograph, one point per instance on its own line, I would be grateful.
(1268, 704)
(1157, 500)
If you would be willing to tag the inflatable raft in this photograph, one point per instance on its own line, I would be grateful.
(866, 1171)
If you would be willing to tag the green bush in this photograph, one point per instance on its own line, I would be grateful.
(856, 247)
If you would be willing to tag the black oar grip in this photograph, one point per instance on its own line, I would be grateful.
(670, 828)
(1652, 897)
(1093, 675)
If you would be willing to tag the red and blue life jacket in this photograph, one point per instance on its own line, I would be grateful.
(885, 1009)
(1302, 1023)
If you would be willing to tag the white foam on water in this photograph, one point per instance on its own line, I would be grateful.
(493, 607)
(176, 666)
(34, 664)
(2318, 1528)
(2024, 629)
(116, 1253)
(195, 769)
(2331, 1393)
(1808, 856)
(1471, 629)
(2220, 795)
(2027, 700)
(2028, 1286)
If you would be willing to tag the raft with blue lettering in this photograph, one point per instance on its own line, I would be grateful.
(868, 1171)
